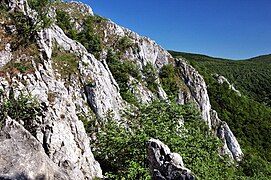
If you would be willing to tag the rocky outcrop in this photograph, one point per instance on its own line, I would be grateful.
(165, 165)
(198, 89)
(222, 79)
(223, 131)
(18, 5)
(23, 157)
(61, 133)
(59, 137)
(104, 95)
(5, 55)
(144, 49)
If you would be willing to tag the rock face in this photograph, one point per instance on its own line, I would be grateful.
(165, 165)
(222, 79)
(23, 157)
(231, 145)
(58, 138)
(5, 55)
(102, 97)
(59, 131)
(198, 89)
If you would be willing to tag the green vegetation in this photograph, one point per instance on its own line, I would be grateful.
(248, 118)
(252, 77)
(23, 108)
(120, 147)
(150, 76)
(124, 43)
(264, 58)
(14, 67)
(169, 80)
(66, 63)
(42, 7)
(90, 38)
(122, 70)
(25, 27)
(64, 22)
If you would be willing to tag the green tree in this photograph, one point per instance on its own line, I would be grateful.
(169, 80)
(120, 147)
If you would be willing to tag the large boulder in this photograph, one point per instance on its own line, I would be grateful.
(165, 165)
(23, 157)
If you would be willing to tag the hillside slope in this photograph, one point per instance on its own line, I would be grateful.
(248, 113)
(250, 76)
(78, 86)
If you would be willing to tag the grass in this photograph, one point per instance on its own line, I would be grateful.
(65, 63)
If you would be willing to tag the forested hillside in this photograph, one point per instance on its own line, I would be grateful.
(252, 77)
(249, 115)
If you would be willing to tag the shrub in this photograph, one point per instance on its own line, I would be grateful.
(64, 22)
(120, 147)
(122, 72)
(169, 80)
(150, 76)
(89, 38)
(124, 43)
(42, 7)
(25, 27)
(23, 108)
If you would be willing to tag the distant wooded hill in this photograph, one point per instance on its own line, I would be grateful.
(248, 115)
(252, 76)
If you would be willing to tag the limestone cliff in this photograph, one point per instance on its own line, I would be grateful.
(85, 85)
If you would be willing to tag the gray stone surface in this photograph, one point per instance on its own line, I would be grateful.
(197, 88)
(231, 145)
(165, 165)
(23, 157)
(222, 79)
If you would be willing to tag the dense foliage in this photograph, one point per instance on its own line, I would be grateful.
(248, 119)
(90, 38)
(24, 108)
(150, 76)
(42, 7)
(122, 70)
(252, 77)
(169, 80)
(120, 147)
(64, 22)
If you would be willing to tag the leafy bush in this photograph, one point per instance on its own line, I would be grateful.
(122, 72)
(42, 7)
(120, 147)
(150, 76)
(25, 27)
(124, 43)
(24, 108)
(169, 80)
(90, 38)
(64, 22)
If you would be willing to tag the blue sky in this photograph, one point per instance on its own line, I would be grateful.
(235, 29)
